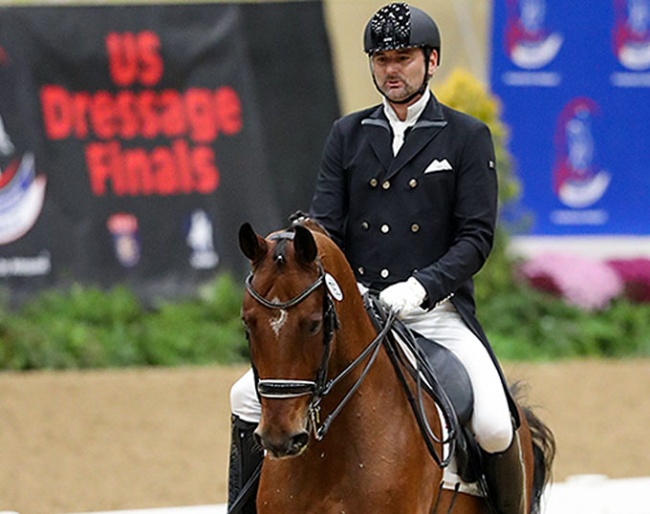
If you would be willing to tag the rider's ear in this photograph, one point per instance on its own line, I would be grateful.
(252, 245)
(304, 245)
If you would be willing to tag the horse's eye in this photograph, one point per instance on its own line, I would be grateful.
(314, 326)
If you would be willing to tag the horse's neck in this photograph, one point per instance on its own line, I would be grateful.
(355, 334)
(377, 426)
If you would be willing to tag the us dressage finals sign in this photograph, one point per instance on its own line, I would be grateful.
(574, 79)
(134, 140)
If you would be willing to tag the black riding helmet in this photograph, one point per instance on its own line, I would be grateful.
(399, 25)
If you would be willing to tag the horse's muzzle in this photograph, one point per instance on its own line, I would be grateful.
(283, 446)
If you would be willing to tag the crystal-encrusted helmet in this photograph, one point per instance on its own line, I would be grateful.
(399, 25)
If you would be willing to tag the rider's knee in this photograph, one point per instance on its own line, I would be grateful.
(236, 395)
(243, 399)
(495, 437)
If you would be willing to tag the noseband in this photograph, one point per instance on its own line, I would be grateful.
(279, 388)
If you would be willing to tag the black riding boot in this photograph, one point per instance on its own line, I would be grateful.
(245, 457)
(505, 477)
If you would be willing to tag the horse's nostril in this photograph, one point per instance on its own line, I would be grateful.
(283, 446)
(299, 441)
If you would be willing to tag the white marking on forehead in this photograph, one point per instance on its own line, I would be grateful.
(278, 323)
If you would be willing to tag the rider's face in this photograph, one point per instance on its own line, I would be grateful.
(400, 73)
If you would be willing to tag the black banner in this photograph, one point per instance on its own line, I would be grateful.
(136, 139)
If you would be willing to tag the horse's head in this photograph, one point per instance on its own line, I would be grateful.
(290, 321)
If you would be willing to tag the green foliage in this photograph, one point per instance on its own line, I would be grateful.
(525, 324)
(87, 327)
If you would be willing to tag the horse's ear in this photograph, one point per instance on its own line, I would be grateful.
(252, 245)
(304, 245)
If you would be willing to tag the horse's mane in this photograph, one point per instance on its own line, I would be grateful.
(301, 218)
(279, 252)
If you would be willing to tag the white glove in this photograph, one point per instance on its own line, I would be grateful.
(403, 297)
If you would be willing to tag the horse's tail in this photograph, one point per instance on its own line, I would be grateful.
(543, 452)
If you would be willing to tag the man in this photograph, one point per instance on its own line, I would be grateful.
(408, 190)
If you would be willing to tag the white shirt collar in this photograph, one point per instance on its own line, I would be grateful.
(412, 112)
(399, 127)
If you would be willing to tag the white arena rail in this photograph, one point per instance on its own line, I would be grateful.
(597, 494)
(197, 509)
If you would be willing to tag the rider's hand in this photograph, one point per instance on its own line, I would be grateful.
(403, 297)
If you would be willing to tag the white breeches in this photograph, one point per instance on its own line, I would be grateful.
(243, 398)
(490, 423)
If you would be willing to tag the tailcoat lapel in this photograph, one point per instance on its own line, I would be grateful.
(380, 136)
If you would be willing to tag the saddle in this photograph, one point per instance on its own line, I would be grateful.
(451, 375)
(443, 378)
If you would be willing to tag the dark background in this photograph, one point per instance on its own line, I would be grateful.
(275, 55)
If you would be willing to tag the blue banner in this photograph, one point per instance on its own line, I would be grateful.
(574, 81)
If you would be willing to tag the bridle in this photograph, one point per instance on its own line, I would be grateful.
(318, 388)
(284, 388)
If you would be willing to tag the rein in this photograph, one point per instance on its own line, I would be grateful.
(419, 370)
(314, 408)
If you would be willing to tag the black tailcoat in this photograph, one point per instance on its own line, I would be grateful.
(428, 212)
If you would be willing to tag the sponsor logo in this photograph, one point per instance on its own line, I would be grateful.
(126, 242)
(199, 238)
(529, 43)
(26, 266)
(631, 33)
(578, 180)
(631, 43)
(22, 191)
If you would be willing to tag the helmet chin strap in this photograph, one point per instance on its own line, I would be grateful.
(406, 100)
(421, 89)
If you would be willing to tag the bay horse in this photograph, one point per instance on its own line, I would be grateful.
(339, 433)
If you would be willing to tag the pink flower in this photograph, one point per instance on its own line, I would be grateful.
(583, 282)
(635, 274)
